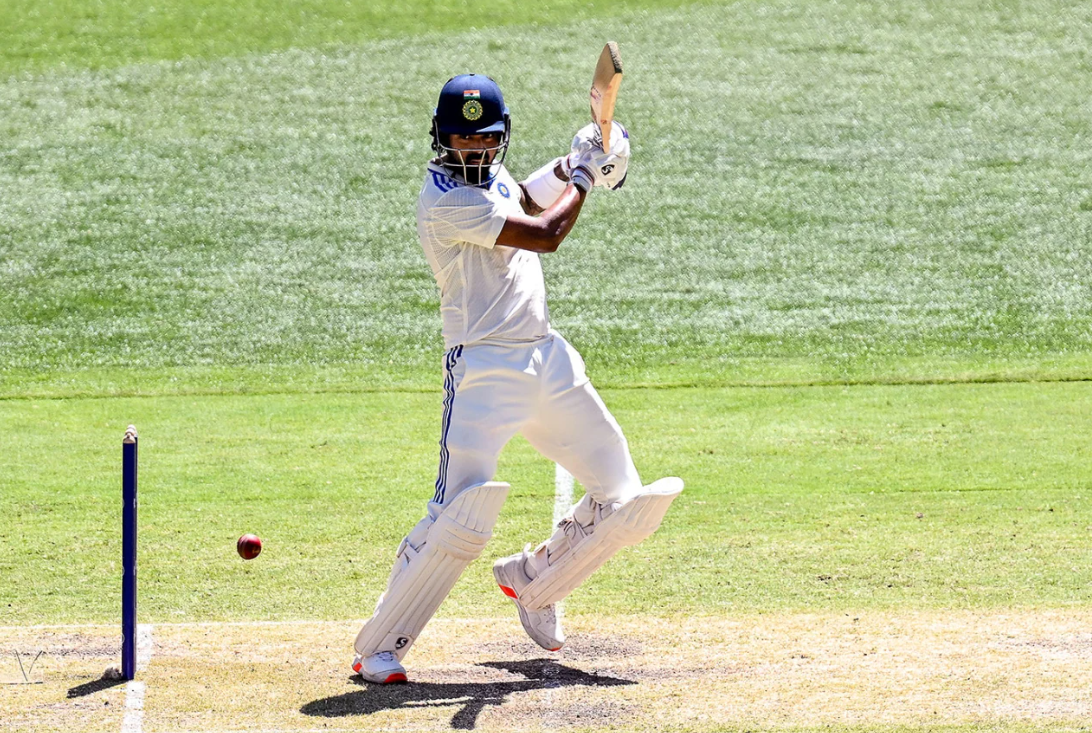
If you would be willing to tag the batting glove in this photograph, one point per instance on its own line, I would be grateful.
(610, 168)
(582, 175)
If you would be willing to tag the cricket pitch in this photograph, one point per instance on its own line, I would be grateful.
(1007, 670)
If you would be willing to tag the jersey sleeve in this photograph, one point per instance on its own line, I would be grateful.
(466, 214)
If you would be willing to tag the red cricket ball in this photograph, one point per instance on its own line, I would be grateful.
(249, 546)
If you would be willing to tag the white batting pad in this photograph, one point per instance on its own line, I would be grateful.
(430, 559)
(579, 548)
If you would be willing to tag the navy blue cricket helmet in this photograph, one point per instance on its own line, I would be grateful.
(470, 104)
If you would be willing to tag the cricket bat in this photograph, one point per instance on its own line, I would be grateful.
(604, 90)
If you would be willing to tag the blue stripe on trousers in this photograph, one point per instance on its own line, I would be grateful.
(451, 359)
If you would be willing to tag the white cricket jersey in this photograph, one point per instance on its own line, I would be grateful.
(487, 293)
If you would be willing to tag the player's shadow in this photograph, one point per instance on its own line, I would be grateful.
(470, 697)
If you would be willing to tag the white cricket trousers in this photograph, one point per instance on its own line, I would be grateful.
(539, 389)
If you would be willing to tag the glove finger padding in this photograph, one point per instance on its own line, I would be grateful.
(610, 168)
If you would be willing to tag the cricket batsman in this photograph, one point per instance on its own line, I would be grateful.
(507, 371)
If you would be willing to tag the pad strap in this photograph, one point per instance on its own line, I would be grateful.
(576, 550)
(544, 187)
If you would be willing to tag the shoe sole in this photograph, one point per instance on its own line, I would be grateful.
(511, 593)
(395, 679)
(392, 679)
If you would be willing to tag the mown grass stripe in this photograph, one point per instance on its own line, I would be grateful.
(611, 387)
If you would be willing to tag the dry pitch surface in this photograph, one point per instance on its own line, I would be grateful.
(1020, 669)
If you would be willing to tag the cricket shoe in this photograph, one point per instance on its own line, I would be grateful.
(381, 668)
(543, 626)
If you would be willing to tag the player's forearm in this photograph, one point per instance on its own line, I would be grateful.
(561, 217)
(544, 233)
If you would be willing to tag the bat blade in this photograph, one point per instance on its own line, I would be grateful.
(604, 90)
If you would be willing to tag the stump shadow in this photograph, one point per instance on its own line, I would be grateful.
(470, 697)
(89, 688)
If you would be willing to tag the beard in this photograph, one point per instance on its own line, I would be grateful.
(474, 169)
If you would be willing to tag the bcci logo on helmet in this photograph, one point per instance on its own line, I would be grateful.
(472, 110)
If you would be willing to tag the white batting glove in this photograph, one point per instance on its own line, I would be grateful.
(610, 168)
(588, 137)
(568, 163)
(599, 168)
(580, 174)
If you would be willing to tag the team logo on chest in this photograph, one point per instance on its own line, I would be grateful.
(503, 189)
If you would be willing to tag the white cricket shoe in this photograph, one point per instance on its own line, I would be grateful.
(380, 667)
(543, 626)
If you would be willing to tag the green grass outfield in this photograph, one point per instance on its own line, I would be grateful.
(845, 294)
(820, 191)
(964, 496)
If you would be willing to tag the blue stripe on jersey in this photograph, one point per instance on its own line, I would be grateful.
(450, 360)
(442, 182)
